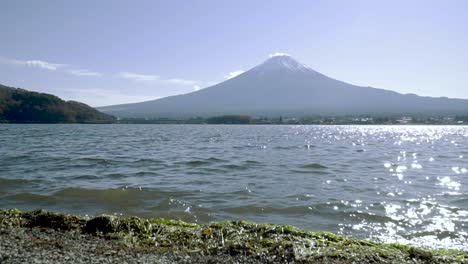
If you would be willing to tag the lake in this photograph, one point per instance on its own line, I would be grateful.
(406, 184)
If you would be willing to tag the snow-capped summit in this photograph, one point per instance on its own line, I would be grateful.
(279, 54)
(281, 61)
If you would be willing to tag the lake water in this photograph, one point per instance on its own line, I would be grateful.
(406, 184)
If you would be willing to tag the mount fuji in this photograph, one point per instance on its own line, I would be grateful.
(283, 86)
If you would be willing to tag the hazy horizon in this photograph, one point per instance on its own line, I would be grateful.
(106, 53)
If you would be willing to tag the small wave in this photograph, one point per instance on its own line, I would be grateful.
(117, 193)
(109, 196)
(201, 170)
(216, 160)
(6, 182)
(85, 161)
(332, 210)
(93, 159)
(145, 173)
(115, 175)
(200, 182)
(146, 161)
(86, 177)
(319, 172)
(118, 199)
(251, 209)
(201, 162)
(152, 202)
(234, 167)
(343, 210)
(285, 147)
(394, 233)
(30, 198)
(7, 159)
(460, 201)
(314, 166)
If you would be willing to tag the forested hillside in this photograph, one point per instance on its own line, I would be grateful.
(22, 106)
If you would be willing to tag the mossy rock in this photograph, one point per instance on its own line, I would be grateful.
(12, 217)
(417, 253)
(100, 224)
(42, 218)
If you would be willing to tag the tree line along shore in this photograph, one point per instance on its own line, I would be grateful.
(22, 106)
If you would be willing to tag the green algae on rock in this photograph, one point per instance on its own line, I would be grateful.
(259, 242)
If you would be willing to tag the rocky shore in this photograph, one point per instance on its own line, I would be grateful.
(46, 237)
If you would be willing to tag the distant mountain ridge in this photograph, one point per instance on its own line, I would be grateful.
(22, 106)
(283, 86)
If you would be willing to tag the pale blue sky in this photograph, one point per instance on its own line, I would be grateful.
(108, 51)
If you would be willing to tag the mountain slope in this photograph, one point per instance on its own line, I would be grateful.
(282, 86)
(21, 106)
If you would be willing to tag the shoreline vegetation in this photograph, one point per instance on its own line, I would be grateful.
(247, 120)
(61, 237)
(305, 120)
(21, 106)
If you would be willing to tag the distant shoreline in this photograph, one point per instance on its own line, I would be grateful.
(350, 124)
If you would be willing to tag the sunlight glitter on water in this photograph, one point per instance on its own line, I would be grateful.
(449, 183)
(427, 225)
(427, 217)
